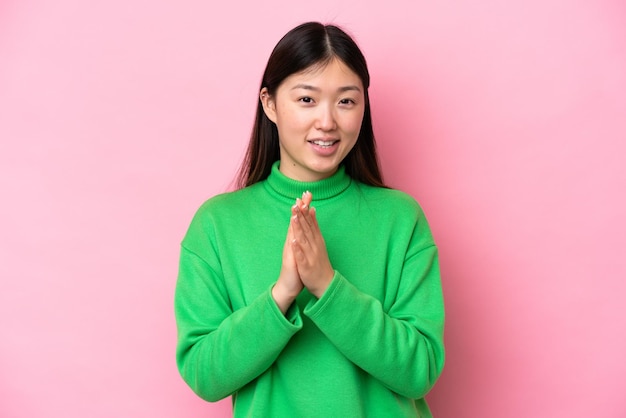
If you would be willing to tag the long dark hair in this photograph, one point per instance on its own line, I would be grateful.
(306, 45)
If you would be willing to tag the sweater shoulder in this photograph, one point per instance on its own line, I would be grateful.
(228, 201)
(393, 200)
(219, 209)
(398, 212)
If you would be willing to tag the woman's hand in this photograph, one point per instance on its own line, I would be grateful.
(309, 248)
(289, 285)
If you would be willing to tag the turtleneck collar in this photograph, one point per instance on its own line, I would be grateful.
(322, 189)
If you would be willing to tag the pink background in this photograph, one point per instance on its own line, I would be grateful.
(506, 120)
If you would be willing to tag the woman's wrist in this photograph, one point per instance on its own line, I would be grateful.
(282, 297)
(321, 286)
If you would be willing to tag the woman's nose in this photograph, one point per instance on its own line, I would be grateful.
(325, 119)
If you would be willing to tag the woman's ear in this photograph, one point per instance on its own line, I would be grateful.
(269, 105)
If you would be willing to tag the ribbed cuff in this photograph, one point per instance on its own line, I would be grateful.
(291, 320)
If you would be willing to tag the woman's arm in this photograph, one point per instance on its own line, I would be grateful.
(219, 351)
(403, 348)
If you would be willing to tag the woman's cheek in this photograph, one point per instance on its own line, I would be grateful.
(355, 126)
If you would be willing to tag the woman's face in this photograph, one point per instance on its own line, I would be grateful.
(318, 113)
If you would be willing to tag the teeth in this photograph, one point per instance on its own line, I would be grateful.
(324, 143)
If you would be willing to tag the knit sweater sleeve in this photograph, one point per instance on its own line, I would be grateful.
(220, 350)
(403, 346)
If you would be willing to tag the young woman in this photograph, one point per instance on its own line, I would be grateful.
(313, 290)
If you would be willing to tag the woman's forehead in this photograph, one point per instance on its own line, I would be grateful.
(330, 72)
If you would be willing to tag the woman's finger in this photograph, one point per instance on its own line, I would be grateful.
(307, 198)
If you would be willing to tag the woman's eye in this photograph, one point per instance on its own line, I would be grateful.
(306, 100)
(346, 101)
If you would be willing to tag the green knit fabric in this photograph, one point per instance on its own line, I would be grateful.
(371, 346)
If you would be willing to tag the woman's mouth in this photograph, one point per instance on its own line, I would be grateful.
(324, 144)
(324, 147)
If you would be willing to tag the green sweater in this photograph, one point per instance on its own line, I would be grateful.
(371, 346)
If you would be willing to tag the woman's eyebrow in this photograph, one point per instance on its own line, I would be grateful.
(317, 89)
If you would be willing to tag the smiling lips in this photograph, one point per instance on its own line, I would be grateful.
(324, 144)
(324, 148)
